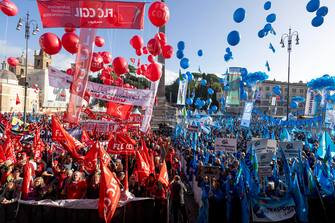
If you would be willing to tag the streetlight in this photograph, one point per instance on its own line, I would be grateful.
(27, 22)
(289, 37)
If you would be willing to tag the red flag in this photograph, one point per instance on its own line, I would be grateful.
(17, 101)
(62, 136)
(27, 179)
(163, 175)
(2, 155)
(90, 161)
(109, 194)
(119, 111)
(121, 144)
(85, 138)
(143, 169)
(8, 149)
(87, 96)
(145, 151)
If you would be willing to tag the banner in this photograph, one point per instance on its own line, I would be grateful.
(265, 150)
(291, 149)
(137, 97)
(226, 145)
(273, 101)
(149, 109)
(81, 73)
(330, 115)
(210, 171)
(310, 107)
(233, 97)
(91, 14)
(99, 126)
(272, 210)
(182, 92)
(246, 118)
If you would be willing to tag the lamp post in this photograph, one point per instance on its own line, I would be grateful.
(27, 22)
(289, 38)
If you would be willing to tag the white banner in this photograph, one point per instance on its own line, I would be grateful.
(291, 149)
(149, 109)
(246, 118)
(330, 115)
(310, 107)
(137, 97)
(273, 101)
(226, 145)
(182, 92)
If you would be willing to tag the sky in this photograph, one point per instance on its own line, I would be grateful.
(205, 25)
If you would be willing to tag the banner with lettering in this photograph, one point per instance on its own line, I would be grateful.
(226, 145)
(91, 14)
(265, 150)
(291, 149)
(310, 107)
(272, 210)
(137, 97)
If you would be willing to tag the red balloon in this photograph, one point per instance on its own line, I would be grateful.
(12, 61)
(106, 73)
(8, 8)
(70, 42)
(151, 59)
(69, 28)
(97, 62)
(159, 14)
(70, 71)
(107, 57)
(154, 72)
(139, 52)
(161, 37)
(120, 66)
(118, 81)
(145, 50)
(108, 81)
(50, 43)
(144, 68)
(99, 41)
(138, 71)
(154, 47)
(167, 52)
(137, 42)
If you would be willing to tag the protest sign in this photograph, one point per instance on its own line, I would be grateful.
(226, 145)
(291, 149)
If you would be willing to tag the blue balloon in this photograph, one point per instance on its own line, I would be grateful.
(261, 33)
(313, 5)
(210, 91)
(200, 53)
(184, 76)
(294, 104)
(317, 21)
(180, 54)
(239, 15)
(203, 82)
(189, 101)
(209, 101)
(322, 11)
(228, 57)
(233, 38)
(214, 108)
(267, 5)
(189, 76)
(267, 27)
(181, 45)
(271, 18)
(184, 63)
(244, 72)
(202, 103)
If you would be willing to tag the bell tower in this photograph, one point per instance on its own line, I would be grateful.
(41, 60)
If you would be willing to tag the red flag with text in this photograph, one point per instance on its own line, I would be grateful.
(121, 144)
(110, 192)
(60, 135)
(92, 14)
(27, 179)
(90, 161)
(143, 169)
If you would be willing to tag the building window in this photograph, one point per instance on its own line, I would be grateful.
(301, 91)
(294, 90)
(22, 72)
(267, 88)
(47, 64)
(38, 63)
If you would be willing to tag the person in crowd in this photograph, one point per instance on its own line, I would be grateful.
(178, 189)
(77, 188)
(93, 187)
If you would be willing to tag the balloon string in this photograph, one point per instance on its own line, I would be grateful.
(5, 39)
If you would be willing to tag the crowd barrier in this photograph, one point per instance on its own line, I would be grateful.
(83, 211)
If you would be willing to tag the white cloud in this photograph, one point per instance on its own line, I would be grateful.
(62, 61)
(170, 76)
(7, 50)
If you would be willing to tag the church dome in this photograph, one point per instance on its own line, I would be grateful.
(8, 77)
